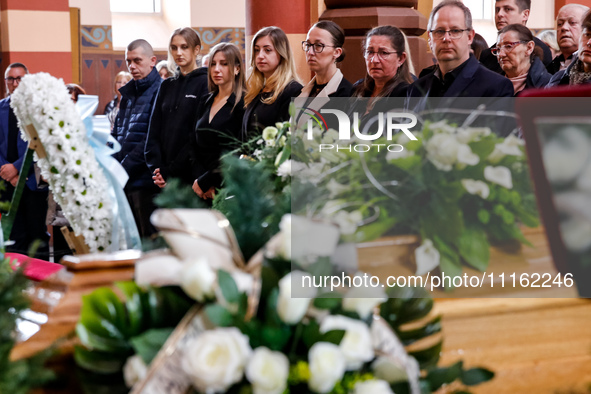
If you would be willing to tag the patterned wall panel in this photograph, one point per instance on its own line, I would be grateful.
(96, 38)
(214, 35)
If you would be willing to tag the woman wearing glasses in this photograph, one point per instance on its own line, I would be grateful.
(515, 53)
(579, 71)
(324, 50)
(386, 61)
(272, 83)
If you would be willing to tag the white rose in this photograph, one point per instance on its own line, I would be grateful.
(284, 170)
(327, 366)
(466, 156)
(198, 279)
(442, 151)
(158, 270)
(216, 359)
(511, 146)
(269, 134)
(427, 257)
(399, 155)
(267, 371)
(442, 127)
(348, 221)
(335, 188)
(292, 309)
(388, 369)
(469, 134)
(576, 232)
(356, 346)
(566, 154)
(373, 387)
(310, 238)
(363, 300)
(134, 370)
(499, 175)
(478, 188)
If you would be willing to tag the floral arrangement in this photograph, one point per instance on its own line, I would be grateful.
(259, 332)
(70, 166)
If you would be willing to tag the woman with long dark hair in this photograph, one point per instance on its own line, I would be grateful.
(175, 111)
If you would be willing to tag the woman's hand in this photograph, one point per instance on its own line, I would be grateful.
(197, 189)
(158, 179)
(210, 194)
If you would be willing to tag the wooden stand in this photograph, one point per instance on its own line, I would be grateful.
(75, 242)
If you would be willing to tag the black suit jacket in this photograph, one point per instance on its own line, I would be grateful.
(475, 80)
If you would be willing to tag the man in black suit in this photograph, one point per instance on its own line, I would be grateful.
(508, 12)
(568, 32)
(458, 74)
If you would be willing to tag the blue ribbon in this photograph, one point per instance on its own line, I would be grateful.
(98, 131)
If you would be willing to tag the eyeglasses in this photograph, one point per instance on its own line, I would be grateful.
(507, 47)
(13, 80)
(454, 34)
(318, 47)
(382, 55)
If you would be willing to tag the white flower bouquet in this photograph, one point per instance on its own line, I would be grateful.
(70, 167)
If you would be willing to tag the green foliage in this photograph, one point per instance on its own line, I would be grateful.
(111, 330)
(20, 376)
(178, 195)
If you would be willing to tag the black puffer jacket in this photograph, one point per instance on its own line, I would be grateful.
(172, 124)
(131, 128)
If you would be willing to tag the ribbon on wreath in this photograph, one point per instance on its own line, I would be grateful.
(98, 131)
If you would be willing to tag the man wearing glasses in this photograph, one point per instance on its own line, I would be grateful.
(29, 224)
(458, 74)
(509, 12)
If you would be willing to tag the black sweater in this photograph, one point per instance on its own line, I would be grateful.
(259, 115)
(211, 139)
(173, 122)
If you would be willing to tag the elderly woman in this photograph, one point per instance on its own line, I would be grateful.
(579, 71)
(112, 107)
(515, 53)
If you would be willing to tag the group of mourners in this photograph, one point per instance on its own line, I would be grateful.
(179, 126)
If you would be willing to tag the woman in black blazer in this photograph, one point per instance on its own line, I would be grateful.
(220, 118)
(272, 84)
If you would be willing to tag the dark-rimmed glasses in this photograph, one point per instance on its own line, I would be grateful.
(454, 34)
(507, 47)
(13, 80)
(318, 47)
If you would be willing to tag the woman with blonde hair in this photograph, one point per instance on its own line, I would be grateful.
(220, 118)
(112, 108)
(272, 82)
(174, 115)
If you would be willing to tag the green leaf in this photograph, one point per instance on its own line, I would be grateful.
(311, 333)
(94, 338)
(474, 247)
(407, 163)
(439, 376)
(451, 192)
(333, 336)
(275, 338)
(329, 301)
(483, 148)
(219, 315)
(474, 376)
(98, 361)
(135, 299)
(228, 287)
(321, 268)
(149, 343)
(428, 357)
(442, 219)
(432, 327)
